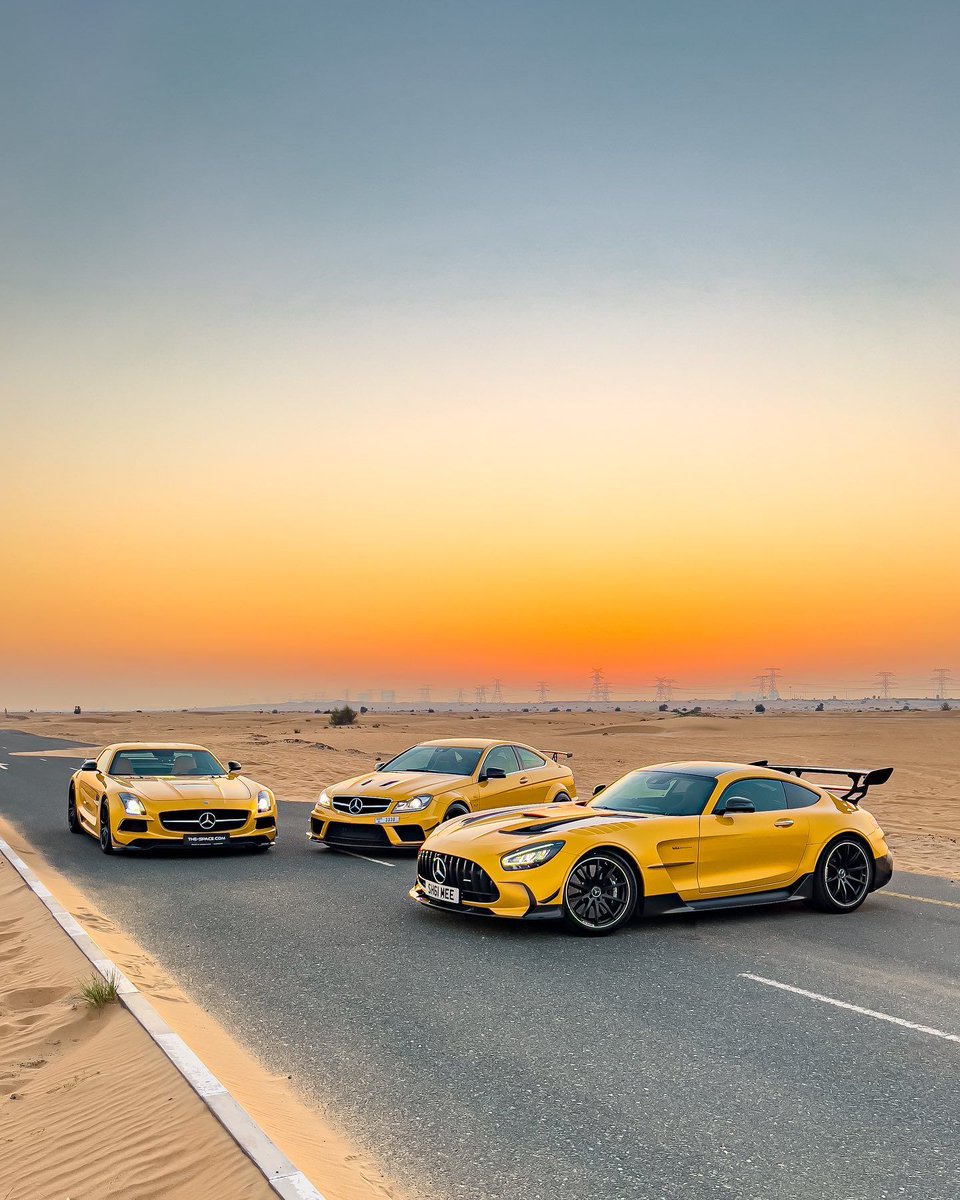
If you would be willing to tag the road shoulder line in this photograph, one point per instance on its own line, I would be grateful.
(281, 1175)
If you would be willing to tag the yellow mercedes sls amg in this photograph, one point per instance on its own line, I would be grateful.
(400, 802)
(678, 837)
(140, 794)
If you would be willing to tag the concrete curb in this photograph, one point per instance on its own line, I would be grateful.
(282, 1176)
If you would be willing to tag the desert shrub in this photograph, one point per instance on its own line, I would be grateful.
(759, 708)
(663, 708)
(98, 991)
(944, 707)
(363, 710)
(76, 710)
(343, 715)
(819, 707)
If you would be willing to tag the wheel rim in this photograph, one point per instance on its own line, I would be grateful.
(846, 875)
(71, 810)
(104, 830)
(453, 814)
(598, 891)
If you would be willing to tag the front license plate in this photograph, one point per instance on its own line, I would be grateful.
(204, 839)
(386, 820)
(440, 891)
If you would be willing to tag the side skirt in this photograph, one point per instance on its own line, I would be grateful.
(663, 905)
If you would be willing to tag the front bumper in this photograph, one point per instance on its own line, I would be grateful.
(407, 831)
(517, 908)
(259, 829)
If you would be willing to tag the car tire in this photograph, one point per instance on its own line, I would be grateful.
(843, 876)
(600, 894)
(73, 820)
(455, 810)
(560, 798)
(106, 833)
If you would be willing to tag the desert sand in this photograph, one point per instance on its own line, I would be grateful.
(90, 1106)
(29, 949)
(297, 754)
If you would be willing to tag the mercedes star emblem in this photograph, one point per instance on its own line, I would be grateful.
(356, 805)
(207, 820)
(439, 870)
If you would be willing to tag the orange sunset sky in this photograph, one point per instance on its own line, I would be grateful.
(374, 347)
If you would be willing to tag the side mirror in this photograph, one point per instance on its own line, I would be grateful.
(738, 804)
(89, 764)
(492, 773)
(235, 767)
(378, 767)
(599, 788)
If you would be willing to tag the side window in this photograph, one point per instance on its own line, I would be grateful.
(528, 760)
(799, 796)
(504, 758)
(766, 795)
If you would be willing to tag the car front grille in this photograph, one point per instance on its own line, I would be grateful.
(356, 835)
(367, 805)
(472, 880)
(188, 820)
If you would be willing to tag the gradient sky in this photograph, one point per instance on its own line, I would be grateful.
(380, 344)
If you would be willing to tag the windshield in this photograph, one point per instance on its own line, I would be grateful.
(146, 763)
(658, 794)
(436, 760)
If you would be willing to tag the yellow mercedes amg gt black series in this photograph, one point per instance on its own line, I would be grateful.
(677, 837)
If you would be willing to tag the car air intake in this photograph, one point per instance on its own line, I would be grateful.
(472, 880)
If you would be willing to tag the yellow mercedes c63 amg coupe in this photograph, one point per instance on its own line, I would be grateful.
(678, 837)
(140, 794)
(403, 800)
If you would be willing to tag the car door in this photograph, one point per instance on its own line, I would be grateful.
(537, 776)
(89, 787)
(498, 793)
(750, 851)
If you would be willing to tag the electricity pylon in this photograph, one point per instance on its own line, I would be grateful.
(600, 689)
(772, 673)
(941, 677)
(542, 690)
(497, 691)
(481, 693)
(664, 688)
(885, 679)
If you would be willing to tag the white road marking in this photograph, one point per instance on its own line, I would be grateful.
(866, 1012)
(365, 858)
(4, 767)
(923, 899)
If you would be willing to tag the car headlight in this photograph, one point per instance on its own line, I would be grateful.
(323, 800)
(132, 805)
(264, 801)
(417, 804)
(530, 856)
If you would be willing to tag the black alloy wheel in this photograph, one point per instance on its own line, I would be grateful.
(600, 894)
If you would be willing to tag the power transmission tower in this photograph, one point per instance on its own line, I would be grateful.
(542, 690)
(481, 694)
(459, 695)
(941, 677)
(763, 683)
(664, 688)
(497, 691)
(885, 678)
(425, 694)
(772, 673)
(600, 689)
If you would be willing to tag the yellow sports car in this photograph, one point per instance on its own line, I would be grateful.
(400, 802)
(678, 837)
(139, 794)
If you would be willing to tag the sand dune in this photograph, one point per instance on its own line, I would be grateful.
(297, 754)
(90, 1107)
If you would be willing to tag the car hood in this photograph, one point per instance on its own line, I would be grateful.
(165, 791)
(511, 827)
(398, 785)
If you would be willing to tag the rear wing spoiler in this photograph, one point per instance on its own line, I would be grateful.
(860, 781)
(556, 755)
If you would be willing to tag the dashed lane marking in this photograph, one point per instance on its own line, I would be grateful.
(366, 858)
(864, 1012)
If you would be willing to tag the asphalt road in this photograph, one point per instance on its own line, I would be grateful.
(490, 1060)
